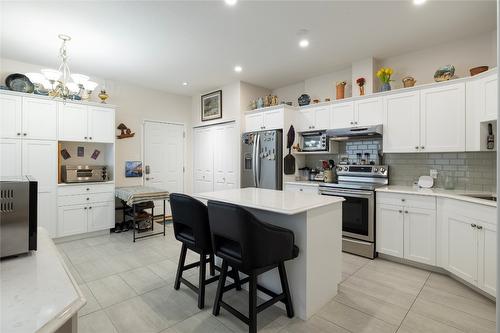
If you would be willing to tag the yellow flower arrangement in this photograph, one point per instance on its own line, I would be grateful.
(384, 74)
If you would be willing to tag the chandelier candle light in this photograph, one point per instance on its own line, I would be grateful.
(57, 81)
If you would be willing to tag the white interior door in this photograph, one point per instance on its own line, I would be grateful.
(164, 158)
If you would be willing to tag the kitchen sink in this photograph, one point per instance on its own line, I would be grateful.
(482, 196)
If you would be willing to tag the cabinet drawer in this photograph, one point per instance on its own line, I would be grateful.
(407, 200)
(85, 189)
(82, 199)
(301, 188)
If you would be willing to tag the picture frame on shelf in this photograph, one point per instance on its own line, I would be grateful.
(211, 106)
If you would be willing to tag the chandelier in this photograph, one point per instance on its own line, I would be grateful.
(58, 83)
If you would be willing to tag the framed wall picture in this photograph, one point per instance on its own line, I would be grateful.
(133, 169)
(211, 106)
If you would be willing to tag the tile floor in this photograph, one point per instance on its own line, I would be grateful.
(129, 288)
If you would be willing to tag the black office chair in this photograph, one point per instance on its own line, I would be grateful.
(252, 247)
(191, 227)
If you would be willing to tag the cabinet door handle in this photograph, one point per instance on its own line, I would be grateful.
(90, 207)
(300, 189)
(403, 200)
(85, 138)
(473, 225)
(400, 211)
(416, 147)
(25, 134)
(90, 138)
(88, 189)
(18, 133)
(84, 207)
(406, 212)
(88, 199)
(422, 147)
(352, 123)
(479, 227)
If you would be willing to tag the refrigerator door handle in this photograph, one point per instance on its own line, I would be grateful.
(257, 160)
(254, 162)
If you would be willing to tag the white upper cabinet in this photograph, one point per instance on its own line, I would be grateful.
(313, 118)
(28, 118)
(265, 120)
(72, 122)
(273, 119)
(101, 124)
(368, 111)
(401, 123)
(442, 118)
(86, 123)
(482, 97)
(342, 115)
(39, 119)
(10, 116)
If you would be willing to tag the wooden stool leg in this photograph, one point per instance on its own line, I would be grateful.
(180, 266)
(220, 288)
(252, 304)
(286, 290)
(201, 281)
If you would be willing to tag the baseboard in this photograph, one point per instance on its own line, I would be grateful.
(81, 236)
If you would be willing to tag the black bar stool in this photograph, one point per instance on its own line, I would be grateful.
(252, 247)
(191, 227)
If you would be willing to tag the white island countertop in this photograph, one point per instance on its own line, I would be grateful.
(37, 292)
(283, 202)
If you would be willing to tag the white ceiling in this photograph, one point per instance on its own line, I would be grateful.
(161, 44)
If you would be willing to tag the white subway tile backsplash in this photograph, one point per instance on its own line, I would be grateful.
(470, 170)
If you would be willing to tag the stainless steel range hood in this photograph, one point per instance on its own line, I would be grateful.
(340, 134)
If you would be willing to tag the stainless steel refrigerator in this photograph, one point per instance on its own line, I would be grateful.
(262, 159)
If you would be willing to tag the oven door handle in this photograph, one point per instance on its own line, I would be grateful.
(340, 192)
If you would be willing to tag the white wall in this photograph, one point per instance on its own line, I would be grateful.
(230, 105)
(135, 104)
(250, 92)
(463, 54)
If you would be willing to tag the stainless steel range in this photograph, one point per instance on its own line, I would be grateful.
(357, 184)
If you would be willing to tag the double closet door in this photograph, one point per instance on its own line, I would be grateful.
(216, 157)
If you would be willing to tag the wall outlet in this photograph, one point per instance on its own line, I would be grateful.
(434, 173)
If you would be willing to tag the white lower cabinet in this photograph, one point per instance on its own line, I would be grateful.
(406, 227)
(84, 208)
(390, 224)
(468, 242)
(420, 235)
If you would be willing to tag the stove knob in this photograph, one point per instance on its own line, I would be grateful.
(382, 170)
(346, 168)
(375, 170)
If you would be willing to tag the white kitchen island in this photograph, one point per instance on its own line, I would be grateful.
(317, 224)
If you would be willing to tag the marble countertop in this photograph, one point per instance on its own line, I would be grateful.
(38, 294)
(462, 195)
(282, 202)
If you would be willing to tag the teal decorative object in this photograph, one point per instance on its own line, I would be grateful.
(444, 73)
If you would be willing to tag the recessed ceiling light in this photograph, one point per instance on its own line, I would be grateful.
(419, 2)
(304, 43)
(238, 69)
(184, 84)
(230, 2)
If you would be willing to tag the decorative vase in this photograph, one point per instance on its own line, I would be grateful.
(386, 87)
(103, 96)
(361, 90)
(340, 91)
